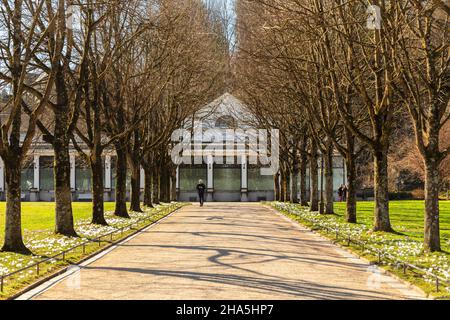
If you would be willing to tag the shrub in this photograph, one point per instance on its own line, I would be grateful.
(418, 194)
(401, 196)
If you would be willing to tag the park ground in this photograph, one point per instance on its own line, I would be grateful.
(407, 219)
(243, 251)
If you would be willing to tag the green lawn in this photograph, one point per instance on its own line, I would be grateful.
(38, 216)
(407, 217)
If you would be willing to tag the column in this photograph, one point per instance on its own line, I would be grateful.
(73, 184)
(36, 182)
(210, 196)
(108, 188)
(2, 178)
(108, 176)
(244, 179)
(178, 183)
(142, 183)
(34, 192)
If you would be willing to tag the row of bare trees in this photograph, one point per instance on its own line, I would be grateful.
(337, 76)
(99, 76)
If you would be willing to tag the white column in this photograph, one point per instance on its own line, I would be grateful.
(244, 167)
(210, 172)
(142, 178)
(73, 184)
(108, 175)
(210, 194)
(2, 176)
(36, 184)
(178, 178)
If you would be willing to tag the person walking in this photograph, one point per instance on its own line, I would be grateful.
(341, 193)
(201, 188)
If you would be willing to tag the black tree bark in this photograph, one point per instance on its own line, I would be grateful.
(314, 176)
(303, 181)
(382, 220)
(121, 182)
(155, 185)
(13, 223)
(432, 239)
(148, 187)
(329, 192)
(351, 215)
(135, 187)
(98, 211)
(276, 181)
(63, 191)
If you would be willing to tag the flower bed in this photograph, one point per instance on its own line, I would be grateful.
(393, 250)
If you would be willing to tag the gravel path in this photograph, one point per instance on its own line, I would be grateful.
(225, 251)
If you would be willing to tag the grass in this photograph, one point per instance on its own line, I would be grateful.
(39, 216)
(407, 217)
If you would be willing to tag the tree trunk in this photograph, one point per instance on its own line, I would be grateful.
(165, 185)
(382, 220)
(303, 181)
(294, 184)
(98, 210)
(432, 240)
(329, 181)
(155, 185)
(63, 192)
(351, 190)
(276, 181)
(282, 186)
(13, 223)
(173, 185)
(121, 183)
(314, 173)
(135, 187)
(321, 187)
(148, 187)
(287, 187)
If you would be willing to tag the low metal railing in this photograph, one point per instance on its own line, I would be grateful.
(439, 281)
(61, 256)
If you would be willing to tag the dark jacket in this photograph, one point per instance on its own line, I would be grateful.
(201, 188)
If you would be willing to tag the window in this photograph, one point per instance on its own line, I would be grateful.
(227, 178)
(189, 177)
(113, 172)
(226, 122)
(46, 174)
(258, 182)
(82, 176)
(27, 179)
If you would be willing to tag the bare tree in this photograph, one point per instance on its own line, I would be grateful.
(21, 40)
(423, 61)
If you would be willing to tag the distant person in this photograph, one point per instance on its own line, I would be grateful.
(341, 193)
(344, 193)
(201, 188)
